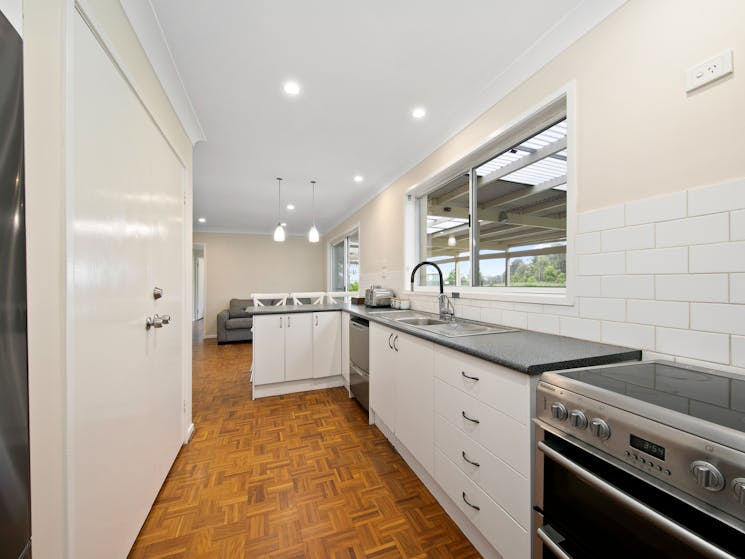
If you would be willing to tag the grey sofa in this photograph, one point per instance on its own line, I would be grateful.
(234, 324)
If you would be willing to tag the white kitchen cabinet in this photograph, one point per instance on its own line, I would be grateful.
(345, 348)
(402, 391)
(326, 330)
(269, 348)
(299, 346)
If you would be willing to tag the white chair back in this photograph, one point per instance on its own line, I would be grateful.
(341, 296)
(274, 299)
(309, 298)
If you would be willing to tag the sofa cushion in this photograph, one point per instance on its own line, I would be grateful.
(238, 308)
(237, 323)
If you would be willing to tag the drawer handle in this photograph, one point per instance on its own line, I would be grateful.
(389, 341)
(476, 379)
(394, 342)
(471, 419)
(463, 453)
(465, 500)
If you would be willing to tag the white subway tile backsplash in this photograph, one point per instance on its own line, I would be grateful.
(587, 243)
(657, 261)
(603, 309)
(627, 238)
(697, 345)
(543, 323)
(659, 208)
(583, 328)
(737, 288)
(587, 286)
(717, 198)
(738, 351)
(528, 307)
(562, 310)
(737, 226)
(717, 317)
(627, 287)
(516, 319)
(692, 287)
(470, 313)
(658, 313)
(602, 264)
(492, 315)
(646, 355)
(693, 231)
(724, 257)
(626, 334)
(604, 218)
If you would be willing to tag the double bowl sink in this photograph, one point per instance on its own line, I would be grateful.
(451, 328)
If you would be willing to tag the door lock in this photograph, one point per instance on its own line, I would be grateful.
(157, 293)
(157, 321)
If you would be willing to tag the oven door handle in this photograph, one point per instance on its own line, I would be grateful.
(552, 545)
(662, 522)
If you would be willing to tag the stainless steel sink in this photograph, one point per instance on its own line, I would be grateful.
(460, 328)
(420, 321)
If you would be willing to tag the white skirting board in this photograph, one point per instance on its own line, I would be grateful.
(279, 388)
(189, 433)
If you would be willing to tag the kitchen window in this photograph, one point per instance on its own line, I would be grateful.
(498, 218)
(344, 258)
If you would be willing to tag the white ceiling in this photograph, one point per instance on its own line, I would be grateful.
(362, 67)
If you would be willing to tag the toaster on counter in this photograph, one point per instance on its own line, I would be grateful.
(376, 296)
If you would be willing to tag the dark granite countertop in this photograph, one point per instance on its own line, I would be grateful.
(529, 352)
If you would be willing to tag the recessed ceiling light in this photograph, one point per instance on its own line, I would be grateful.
(359, 178)
(290, 207)
(419, 113)
(291, 88)
(202, 220)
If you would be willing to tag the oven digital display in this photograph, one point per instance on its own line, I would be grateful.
(647, 447)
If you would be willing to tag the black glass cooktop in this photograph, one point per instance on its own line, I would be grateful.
(712, 396)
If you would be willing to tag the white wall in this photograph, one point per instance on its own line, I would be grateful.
(238, 265)
(639, 136)
(13, 10)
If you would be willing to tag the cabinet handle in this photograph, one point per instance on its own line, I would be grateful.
(289, 324)
(463, 453)
(389, 341)
(316, 320)
(394, 342)
(475, 379)
(465, 500)
(471, 419)
(280, 322)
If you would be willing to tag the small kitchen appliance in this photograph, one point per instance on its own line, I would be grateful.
(640, 459)
(377, 296)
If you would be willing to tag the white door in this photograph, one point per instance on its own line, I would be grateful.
(269, 349)
(383, 371)
(415, 407)
(326, 344)
(299, 346)
(125, 384)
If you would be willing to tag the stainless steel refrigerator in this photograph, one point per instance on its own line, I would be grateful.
(15, 499)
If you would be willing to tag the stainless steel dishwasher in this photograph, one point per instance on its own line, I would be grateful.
(359, 360)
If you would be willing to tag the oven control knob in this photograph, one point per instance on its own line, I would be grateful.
(738, 486)
(707, 475)
(600, 428)
(559, 411)
(578, 419)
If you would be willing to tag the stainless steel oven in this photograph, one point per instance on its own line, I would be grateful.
(359, 360)
(639, 460)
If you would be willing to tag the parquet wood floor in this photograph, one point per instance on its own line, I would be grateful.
(297, 476)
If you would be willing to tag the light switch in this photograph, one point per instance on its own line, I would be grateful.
(706, 72)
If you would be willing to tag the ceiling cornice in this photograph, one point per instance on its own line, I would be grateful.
(144, 21)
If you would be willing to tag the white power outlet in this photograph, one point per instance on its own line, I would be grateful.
(706, 72)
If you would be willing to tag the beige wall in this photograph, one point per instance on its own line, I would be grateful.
(638, 132)
(47, 28)
(238, 265)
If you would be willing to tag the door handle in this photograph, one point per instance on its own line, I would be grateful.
(394, 342)
(463, 453)
(471, 419)
(469, 377)
(390, 345)
(549, 542)
(165, 318)
(153, 322)
(465, 500)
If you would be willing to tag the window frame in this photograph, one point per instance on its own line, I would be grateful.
(560, 103)
(344, 237)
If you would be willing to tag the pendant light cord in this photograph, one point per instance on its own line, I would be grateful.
(279, 200)
(314, 202)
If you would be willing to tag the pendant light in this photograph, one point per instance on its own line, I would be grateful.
(279, 232)
(313, 235)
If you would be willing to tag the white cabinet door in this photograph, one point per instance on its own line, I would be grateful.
(383, 375)
(268, 349)
(298, 346)
(326, 344)
(414, 397)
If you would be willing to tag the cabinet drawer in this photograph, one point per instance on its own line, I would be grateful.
(500, 387)
(502, 435)
(507, 537)
(502, 483)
